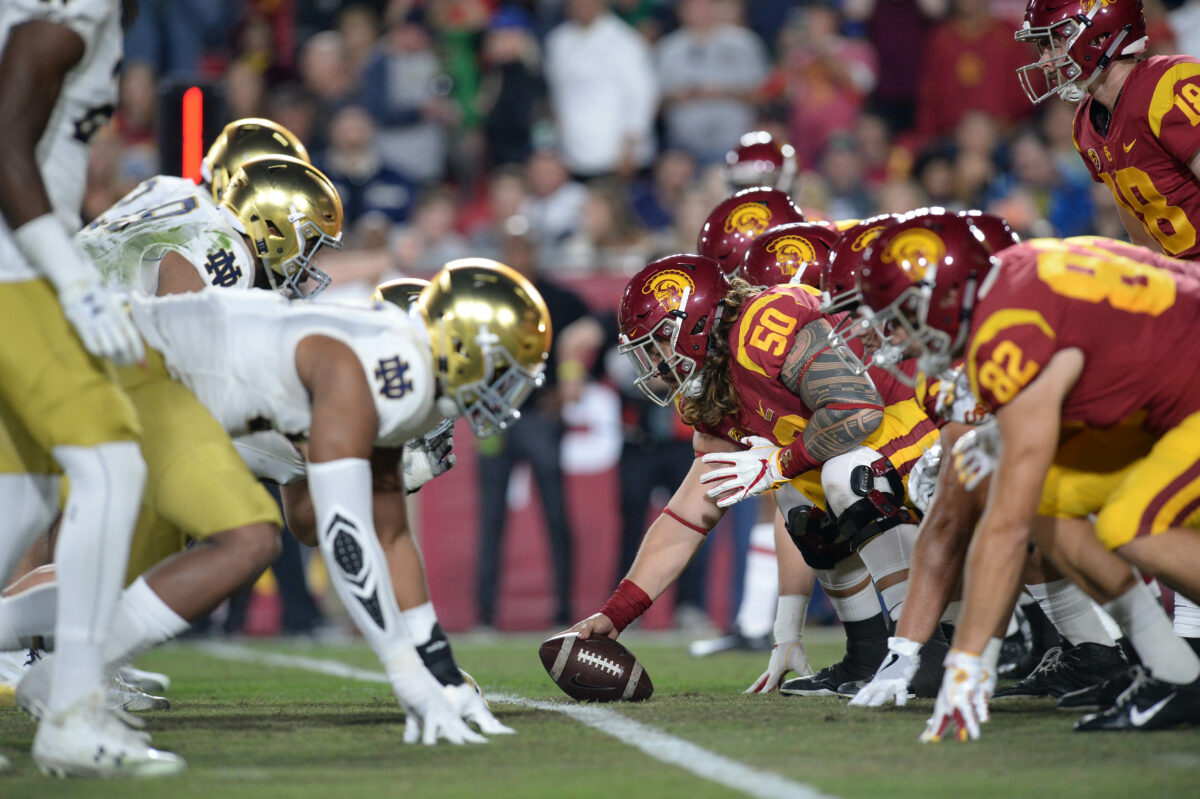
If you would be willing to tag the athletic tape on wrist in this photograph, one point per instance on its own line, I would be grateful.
(627, 603)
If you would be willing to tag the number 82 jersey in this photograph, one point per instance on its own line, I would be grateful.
(1131, 312)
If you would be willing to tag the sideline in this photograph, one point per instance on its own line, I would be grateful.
(657, 744)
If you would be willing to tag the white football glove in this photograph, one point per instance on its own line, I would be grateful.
(428, 714)
(745, 474)
(956, 402)
(895, 673)
(961, 704)
(976, 454)
(428, 457)
(102, 322)
(922, 479)
(468, 700)
(786, 656)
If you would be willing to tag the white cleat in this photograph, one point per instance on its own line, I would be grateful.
(33, 692)
(89, 740)
(127, 697)
(149, 681)
(4, 764)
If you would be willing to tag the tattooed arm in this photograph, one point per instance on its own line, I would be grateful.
(846, 407)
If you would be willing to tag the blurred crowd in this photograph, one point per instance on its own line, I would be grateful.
(597, 128)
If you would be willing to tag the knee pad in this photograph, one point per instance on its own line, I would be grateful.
(876, 504)
(817, 537)
(844, 575)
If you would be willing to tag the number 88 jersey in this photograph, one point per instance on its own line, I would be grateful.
(1131, 312)
(1143, 156)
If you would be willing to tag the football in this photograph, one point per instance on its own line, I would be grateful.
(595, 670)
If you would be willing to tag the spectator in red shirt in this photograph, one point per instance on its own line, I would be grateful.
(971, 64)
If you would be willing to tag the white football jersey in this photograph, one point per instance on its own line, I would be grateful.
(236, 351)
(164, 214)
(85, 103)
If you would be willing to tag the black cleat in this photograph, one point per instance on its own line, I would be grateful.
(1065, 670)
(1097, 697)
(866, 645)
(1013, 651)
(1148, 704)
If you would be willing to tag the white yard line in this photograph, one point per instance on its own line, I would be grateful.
(654, 742)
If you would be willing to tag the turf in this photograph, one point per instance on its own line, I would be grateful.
(262, 731)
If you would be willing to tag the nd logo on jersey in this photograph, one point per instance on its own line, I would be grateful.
(393, 377)
(749, 219)
(913, 251)
(671, 288)
(790, 252)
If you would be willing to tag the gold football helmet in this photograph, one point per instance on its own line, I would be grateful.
(403, 291)
(289, 209)
(239, 142)
(490, 331)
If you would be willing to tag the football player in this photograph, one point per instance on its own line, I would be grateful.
(770, 403)
(58, 403)
(352, 382)
(1146, 148)
(1052, 332)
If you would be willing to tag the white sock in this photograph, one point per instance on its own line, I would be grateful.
(845, 575)
(1145, 623)
(756, 612)
(141, 622)
(1187, 617)
(1072, 612)
(90, 557)
(950, 614)
(29, 613)
(420, 621)
(28, 505)
(790, 613)
(887, 554)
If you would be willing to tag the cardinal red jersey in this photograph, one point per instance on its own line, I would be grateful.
(1143, 157)
(759, 342)
(1132, 312)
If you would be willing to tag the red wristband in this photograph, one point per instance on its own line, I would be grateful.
(626, 604)
(794, 459)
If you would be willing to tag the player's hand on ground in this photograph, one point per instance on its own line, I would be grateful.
(102, 322)
(744, 474)
(890, 683)
(468, 700)
(956, 713)
(429, 716)
(786, 656)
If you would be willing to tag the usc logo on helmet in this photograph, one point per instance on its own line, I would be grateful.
(1090, 4)
(913, 251)
(750, 219)
(669, 288)
(866, 237)
(790, 252)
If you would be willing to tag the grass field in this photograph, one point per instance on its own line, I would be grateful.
(256, 730)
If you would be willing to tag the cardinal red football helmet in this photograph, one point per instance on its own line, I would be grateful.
(760, 160)
(997, 233)
(742, 218)
(1076, 40)
(919, 282)
(793, 253)
(666, 315)
(839, 276)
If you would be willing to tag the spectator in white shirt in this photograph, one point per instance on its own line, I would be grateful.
(708, 72)
(603, 92)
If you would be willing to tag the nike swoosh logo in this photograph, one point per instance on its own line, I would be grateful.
(1129, 146)
(891, 658)
(1139, 717)
(578, 683)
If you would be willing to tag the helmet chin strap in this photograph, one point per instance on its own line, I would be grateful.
(1075, 92)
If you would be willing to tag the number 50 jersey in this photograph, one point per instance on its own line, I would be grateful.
(167, 214)
(236, 351)
(1132, 313)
